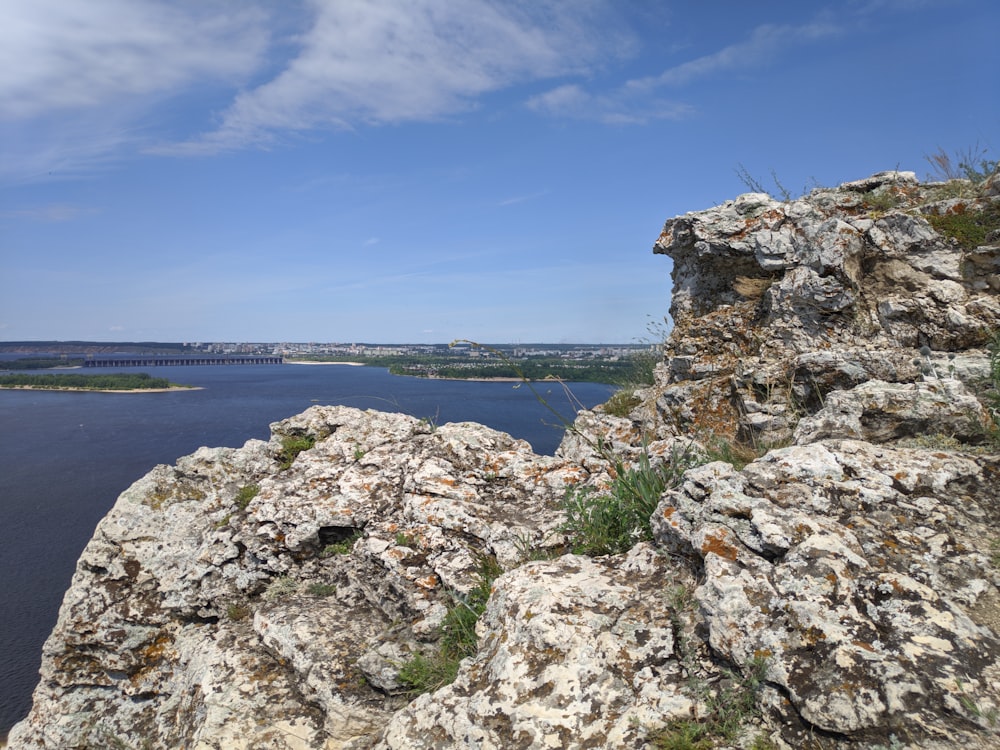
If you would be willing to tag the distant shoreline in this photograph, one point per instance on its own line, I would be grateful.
(99, 390)
(314, 362)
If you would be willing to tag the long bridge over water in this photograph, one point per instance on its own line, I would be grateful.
(156, 361)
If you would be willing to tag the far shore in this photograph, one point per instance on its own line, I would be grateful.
(100, 390)
(314, 362)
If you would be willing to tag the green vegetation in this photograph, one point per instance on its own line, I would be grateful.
(111, 382)
(405, 540)
(247, 493)
(343, 547)
(968, 228)
(611, 372)
(292, 446)
(498, 364)
(422, 673)
(728, 712)
(41, 363)
(321, 589)
(237, 612)
(281, 587)
(611, 522)
(993, 397)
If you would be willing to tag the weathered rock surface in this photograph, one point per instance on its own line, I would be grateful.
(249, 598)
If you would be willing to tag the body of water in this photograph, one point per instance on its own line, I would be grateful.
(65, 458)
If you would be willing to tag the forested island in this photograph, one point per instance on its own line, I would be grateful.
(140, 381)
(614, 371)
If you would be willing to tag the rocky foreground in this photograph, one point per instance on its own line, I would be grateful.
(839, 591)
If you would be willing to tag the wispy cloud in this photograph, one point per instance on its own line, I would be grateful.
(363, 63)
(57, 56)
(522, 198)
(620, 107)
(638, 101)
(763, 45)
(55, 213)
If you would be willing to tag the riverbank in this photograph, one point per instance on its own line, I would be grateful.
(171, 389)
(315, 362)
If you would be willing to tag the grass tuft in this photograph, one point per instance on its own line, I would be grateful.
(612, 521)
(422, 674)
(292, 446)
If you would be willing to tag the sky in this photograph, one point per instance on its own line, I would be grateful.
(394, 171)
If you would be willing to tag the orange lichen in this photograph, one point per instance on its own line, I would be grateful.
(717, 544)
(427, 582)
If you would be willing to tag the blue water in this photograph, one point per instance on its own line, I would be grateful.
(65, 458)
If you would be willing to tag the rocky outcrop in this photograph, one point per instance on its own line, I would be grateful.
(832, 584)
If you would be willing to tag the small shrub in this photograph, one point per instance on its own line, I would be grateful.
(423, 674)
(735, 452)
(971, 164)
(281, 587)
(359, 452)
(405, 540)
(247, 493)
(321, 589)
(237, 612)
(343, 547)
(728, 711)
(968, 228)
(684, 734)
(622, 402)
(292, 446)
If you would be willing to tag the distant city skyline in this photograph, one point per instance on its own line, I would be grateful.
(417, 171)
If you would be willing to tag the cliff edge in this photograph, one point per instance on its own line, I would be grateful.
(821, 570)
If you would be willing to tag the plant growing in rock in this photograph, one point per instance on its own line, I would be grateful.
(237, 612)
(969, 228)
(343, 547)
(729, 710)
(247, 493)
(612, 521)
(422, 673)
(321, 589)
(292, 446)
(406, 540)
(970, 164)
(281, 587)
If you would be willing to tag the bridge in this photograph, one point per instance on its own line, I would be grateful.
(156, 361)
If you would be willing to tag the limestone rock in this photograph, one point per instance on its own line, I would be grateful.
(855, 572)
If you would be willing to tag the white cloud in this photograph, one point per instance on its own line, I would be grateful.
(636, 102)
(364, 62)
(57, 56)
(765, 42)
(621, 107)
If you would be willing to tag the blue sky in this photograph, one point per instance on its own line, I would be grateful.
(425, 170)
